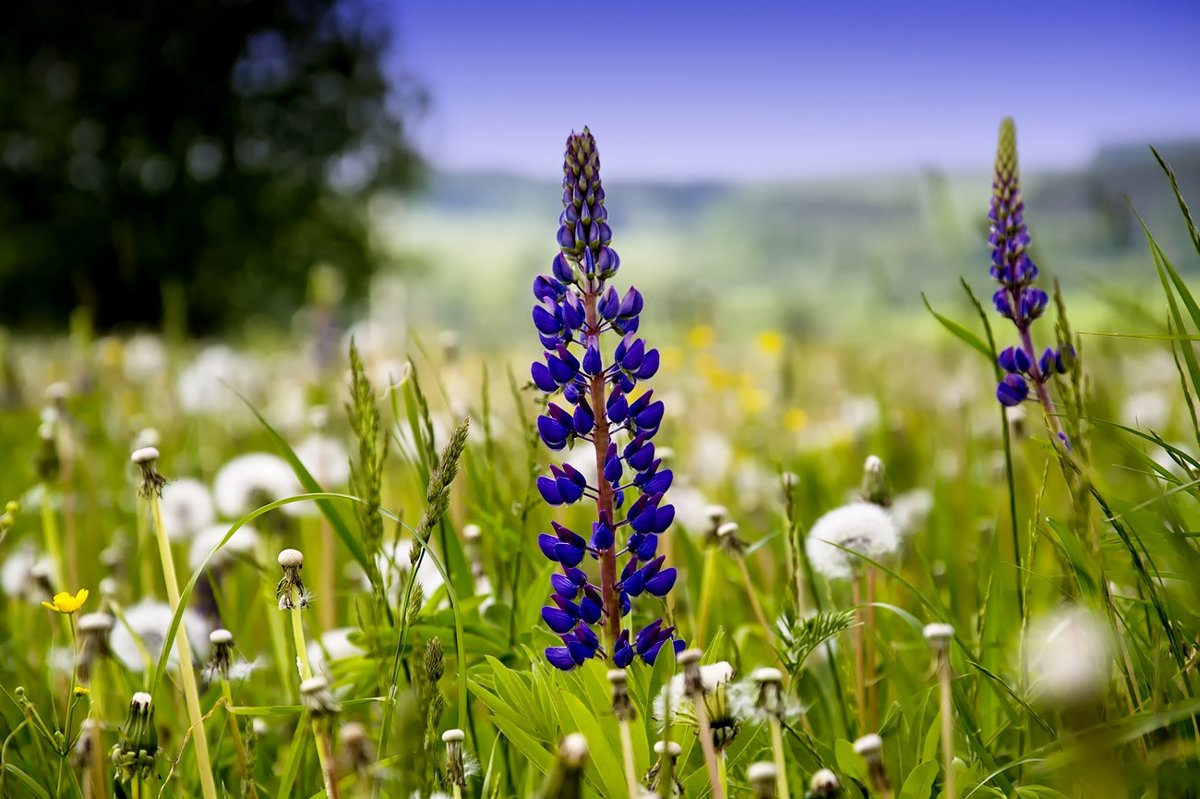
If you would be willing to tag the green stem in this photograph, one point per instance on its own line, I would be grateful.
(627, 756)
(706, 589)
(236, 733)
(321, 738)
(781, 781)
(50, 531)
(183, 649)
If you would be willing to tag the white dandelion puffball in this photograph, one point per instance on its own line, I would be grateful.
(860, 527)
(711, 457)
(333, 646)
(187, 507)
(910, 511)
(691, 508)
(1069, 656)
(325, 458)
(711, 675)
(150, 620)
(247, 481)
(241, 546)
(208, 383)
(1148, 409)
(19, 574)
(145, 357)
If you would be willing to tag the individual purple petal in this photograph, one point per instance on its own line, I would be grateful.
(557, 620)
(649, 366)
(589, 610)
(563, 585)
(548, 488)
(560, 658)
(542, 377)
(660, 584)
(545, 321)
(548, 544)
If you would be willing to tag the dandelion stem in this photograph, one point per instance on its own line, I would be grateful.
(274, 623)
(183, 648)
(236, 733)
(324, 749)
(872, 684)
(50, 531)
(756, 606)
(707, 578)
(859, 654)
(626, 756)
(781, 781)
(944, 676)
(326, 579)
(715, 770)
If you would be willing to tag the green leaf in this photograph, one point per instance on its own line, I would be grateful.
(313, 487)
(30, 782)
(959, 331)
(919, 783)
(849, 762)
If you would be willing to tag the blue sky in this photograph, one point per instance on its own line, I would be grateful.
(753, 90)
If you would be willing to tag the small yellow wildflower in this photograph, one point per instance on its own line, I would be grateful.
(795, 420)
(701, 337)
(770, 343)
(82, 690)
(65, 603)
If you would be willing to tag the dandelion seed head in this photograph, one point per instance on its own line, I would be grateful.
(939, 635)
(671, 747)
(869, 746)
(187, 507)
(141, 701)
(761, 772)
(574, 750)
(325, 458)
(291, 559)
(824, 783)
(144, 455)
(98, 622)
(1068, 656)
(471, 532)
(150, 620)
(242, 545)
(250, 480)
(220, 636)
(910, 511)
(860, 527)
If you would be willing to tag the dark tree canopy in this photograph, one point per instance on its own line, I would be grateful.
(219, 147)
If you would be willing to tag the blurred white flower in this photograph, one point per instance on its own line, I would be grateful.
(395, 563)
(22, 573)
(859, 527)
(691, 508)
(325, 458)
(208, 383)
(145, 357)
(1068, 655)
(712, 675)
(711, 457)
(910, 510)
(250, 480)
(861, 414)
(150, 621)
(242, 546)
(333, 646)
(1149, 410)
(187, 506)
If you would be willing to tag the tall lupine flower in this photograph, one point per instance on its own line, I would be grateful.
(1017, 298)
(593, 363)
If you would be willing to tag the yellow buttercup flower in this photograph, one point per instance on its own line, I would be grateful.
(770, 343)
(65, 603)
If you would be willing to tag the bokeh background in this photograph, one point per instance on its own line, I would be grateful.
(212, 168)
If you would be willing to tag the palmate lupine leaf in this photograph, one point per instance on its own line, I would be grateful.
(802, 637)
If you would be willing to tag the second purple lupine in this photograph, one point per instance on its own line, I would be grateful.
(1017, 298)
(576, 312)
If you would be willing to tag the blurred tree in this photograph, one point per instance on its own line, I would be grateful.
(214, 149)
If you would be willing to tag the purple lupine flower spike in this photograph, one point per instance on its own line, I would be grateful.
(595, 360)
(1018, 299)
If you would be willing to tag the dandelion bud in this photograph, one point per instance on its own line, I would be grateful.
(875, 488)
(665, 753)
(152, 482)
(622, 706)
(870, 748)
(824, 784)
(939, 636)
(729, 541)
(94, 629)
(89, 739)
(789, 480)
(693, 682)
(565, 780)
(137, 747)
(770, 691)
(455, 770)
(317, 699)
(222, 654)
(358, 754)
(290, 591)
(762, 779)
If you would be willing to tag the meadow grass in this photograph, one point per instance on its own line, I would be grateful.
(1066, 576)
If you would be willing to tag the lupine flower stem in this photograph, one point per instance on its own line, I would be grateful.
(600, 441)
(183, 648)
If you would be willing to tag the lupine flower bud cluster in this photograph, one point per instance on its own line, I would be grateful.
(1017, 298)
(578, 317)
